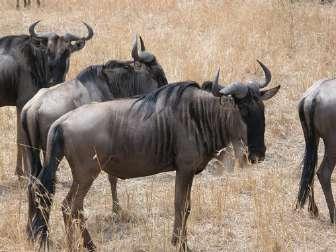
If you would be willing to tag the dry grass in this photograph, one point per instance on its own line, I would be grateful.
(245, 210)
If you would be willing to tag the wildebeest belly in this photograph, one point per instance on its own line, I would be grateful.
(133, 166)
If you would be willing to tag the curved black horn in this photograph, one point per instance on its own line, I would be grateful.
(90, 32)
(142, 45)
(71, 37)
(236, 89)
(32, 29)
(215, 87)
(134, 53)
(268, 75)
(142, 54)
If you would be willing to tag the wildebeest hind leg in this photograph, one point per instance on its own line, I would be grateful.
(72, 209)
(312, 208)
(183, 185)
(324, 175)
(113, 181)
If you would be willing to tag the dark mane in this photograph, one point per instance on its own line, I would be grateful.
(117, 64)
(94, 71)
(171, 94)
(207, 85)
(38, 62)
(204, 119)
(90, 72)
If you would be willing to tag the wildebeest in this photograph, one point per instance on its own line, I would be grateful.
(178, 127)
(317, 111)
(96, 83)
(31, 62)
(27, 3)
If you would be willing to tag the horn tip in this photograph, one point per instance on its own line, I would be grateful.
(260, 63)
(141, 39)
(217, 74)
(36, 22)
(90, 30)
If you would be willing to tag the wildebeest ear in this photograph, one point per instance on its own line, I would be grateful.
(77, 45)
(268, 94)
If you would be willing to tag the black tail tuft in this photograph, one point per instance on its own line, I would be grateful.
(54, 154)
(310, 157)
(44, 188)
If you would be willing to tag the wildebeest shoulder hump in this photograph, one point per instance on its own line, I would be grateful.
(171, 93)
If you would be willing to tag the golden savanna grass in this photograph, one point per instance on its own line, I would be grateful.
(249, 209)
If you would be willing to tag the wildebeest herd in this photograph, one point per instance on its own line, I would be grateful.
(120, 107)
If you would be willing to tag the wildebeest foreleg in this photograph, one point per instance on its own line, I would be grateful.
(19, 140)
(324, 174)
(183, 185)
(72, 209)
(113, 181)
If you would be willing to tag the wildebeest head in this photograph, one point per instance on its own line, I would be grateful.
(58, 50)
(249, 98)
(140, 54)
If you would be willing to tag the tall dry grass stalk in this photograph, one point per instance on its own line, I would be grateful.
(247, 209)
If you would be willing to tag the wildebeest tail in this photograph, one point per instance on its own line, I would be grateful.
(54, 154)
(310, 156)
(30, 134)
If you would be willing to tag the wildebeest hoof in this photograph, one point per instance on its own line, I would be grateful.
(183, 247)
(313, 210)
(44, 243)
(90, 246)
(38, 229)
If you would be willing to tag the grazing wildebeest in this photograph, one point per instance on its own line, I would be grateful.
(27, 3)
(31, 62)
(178, 127)
(97, 83)
(317, 111)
